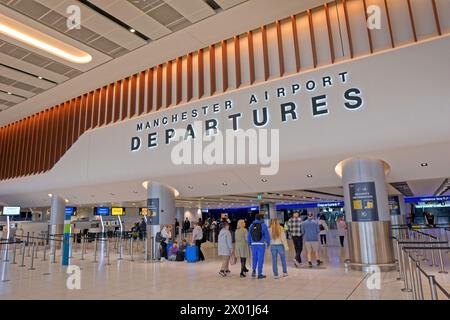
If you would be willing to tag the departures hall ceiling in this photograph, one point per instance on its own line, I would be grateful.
(104, 33)
(32, 80)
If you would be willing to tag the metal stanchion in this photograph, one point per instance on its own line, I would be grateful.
(14, 253)
(131, 249)
(28, 238)
(23, 255)
(145, 250)
(441, 261)
(406, 267)
(44, 258)
(412, 273)
(95, 250)
(32, 257)
(400, 262)
(28, 244)
(432, 282)
(433, 262)
(6, 252)
(36, 251)
(419, 282)
(120, 248)
(107, 251)
(83, 240)
(1, 249)
(54, 251)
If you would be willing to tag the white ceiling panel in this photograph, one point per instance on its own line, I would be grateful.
(100, 24)
(17, 91)
(10, 97)
(135, 18)
(193, 10)
(23, 77)
(226, 4)
(31, 68)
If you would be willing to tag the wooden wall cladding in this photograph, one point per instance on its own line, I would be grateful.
(34, 144)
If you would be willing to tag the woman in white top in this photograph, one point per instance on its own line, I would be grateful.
(197, 237)
(166, 235)
(341, 230)
(323, 230)
(278, 246)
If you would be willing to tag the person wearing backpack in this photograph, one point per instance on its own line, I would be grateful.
(323, 230)
(258, 237)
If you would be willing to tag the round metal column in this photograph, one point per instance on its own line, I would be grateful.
(367, 213)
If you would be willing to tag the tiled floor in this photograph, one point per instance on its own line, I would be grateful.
(180, 280)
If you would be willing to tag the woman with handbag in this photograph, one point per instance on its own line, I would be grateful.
(241, 248)
(225, 249)
(278, 246)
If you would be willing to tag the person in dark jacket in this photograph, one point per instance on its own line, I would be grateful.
(258, 246)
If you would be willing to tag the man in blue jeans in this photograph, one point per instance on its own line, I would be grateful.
(258, 237)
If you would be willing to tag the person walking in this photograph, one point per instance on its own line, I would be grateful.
(323, 230)
(197, 236)
(294, 229)
(341, 230)
(241, 249)
(311, 230)
(186, 226)
(278, 246)
(177, 227)
(225, 249)
(258, 237)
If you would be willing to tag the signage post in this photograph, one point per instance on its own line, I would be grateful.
(66, 238)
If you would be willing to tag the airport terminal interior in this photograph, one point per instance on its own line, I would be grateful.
(224, 150)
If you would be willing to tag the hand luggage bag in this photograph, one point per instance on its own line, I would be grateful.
(192, 254)
(169, 245)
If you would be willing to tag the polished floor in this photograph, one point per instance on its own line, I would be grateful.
(126, 279)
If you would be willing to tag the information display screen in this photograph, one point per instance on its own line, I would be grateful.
(71, 210)
(143, 211)
(10, 211)
(117, 211)
(101, 211)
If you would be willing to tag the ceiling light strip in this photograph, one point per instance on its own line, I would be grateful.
(42, 45)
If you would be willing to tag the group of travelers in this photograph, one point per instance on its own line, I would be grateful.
(258, 237)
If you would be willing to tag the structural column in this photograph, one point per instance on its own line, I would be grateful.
(367, 213)
(57, 210)
(161, 211)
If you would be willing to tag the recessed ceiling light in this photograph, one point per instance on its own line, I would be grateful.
(264, 180)
(23, 33)
(309, 175)
(50, 195)
(9, 93)
(224, 184)
(293, 196)
(132, 30)
(66, 200)
(424, 164)
(40, 78)
(280, 194)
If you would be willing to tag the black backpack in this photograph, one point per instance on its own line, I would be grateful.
(158, 237)
(256, 232)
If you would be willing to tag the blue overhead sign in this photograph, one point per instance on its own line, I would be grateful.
(308, 205)
(426, 199)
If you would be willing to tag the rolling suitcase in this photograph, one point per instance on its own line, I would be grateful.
(169, 245)
(192, 254)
